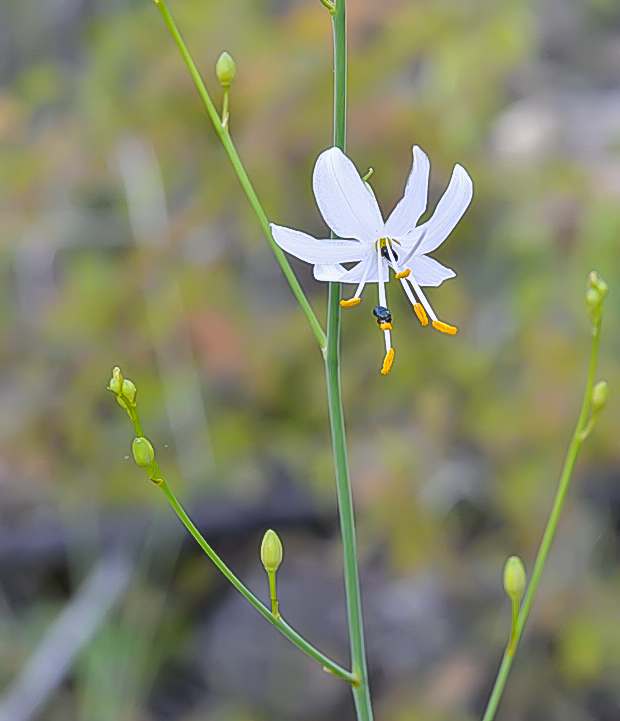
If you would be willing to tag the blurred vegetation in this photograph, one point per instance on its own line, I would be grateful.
(456, 453)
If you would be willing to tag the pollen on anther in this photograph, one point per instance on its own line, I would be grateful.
(404, 274)
(385, 326)
(444, 327)
(350, 303)
(421, 313)
(387, 362)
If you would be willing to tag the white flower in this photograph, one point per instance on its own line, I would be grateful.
(350, 209)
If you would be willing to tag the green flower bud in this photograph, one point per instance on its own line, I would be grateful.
(514, 578)
(600, 396)
(271, 551)
(143, 453)
(596, 290)
(226, 70)
(129, 390)
(115, 386)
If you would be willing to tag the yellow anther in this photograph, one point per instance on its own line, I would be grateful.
(385, 326)
(444, 327)
(350, 303)
(404, 274)
(421, 313)
(387, 362)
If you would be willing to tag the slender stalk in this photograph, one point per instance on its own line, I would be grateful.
(577, 440)
(231, 151)
(361, 692)
(156, 476)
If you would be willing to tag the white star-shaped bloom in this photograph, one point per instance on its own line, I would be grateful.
(350, 209)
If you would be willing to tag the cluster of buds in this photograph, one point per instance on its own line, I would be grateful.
(124, 390)
(596, 290)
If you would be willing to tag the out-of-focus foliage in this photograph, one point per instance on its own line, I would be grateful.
(126, 240)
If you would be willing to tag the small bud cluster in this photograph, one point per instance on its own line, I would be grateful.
(124, 389)
(596, 290)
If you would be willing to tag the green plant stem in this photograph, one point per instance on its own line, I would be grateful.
(361, 692)
(155, 474)
(224, 136)
(550, 529)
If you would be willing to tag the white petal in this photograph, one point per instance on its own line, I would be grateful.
(341, 274)
(448, 212)
(406, 214)
(330, 273)
(345, 203)
(428, 271)
(314, 250)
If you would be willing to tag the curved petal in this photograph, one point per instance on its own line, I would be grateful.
(345, 203)
(314, 250)
(338, 273)
(448, 212)
(427, 271)
(406, 214)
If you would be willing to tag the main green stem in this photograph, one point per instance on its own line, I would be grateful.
(361, 693)
(231, 151)
(550, 529)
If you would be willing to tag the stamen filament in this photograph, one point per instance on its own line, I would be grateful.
(422, 297)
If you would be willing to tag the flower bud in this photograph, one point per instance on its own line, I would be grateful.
(143, 453)
(600, 396)
(115, 386)
(129, 390)
(271, 551)
(226, 70)
(514, 578)
(596, 290)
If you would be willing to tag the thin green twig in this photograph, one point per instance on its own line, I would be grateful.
(155, 475)
(558, 503)
(224, 135)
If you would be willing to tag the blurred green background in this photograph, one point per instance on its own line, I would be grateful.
(126, 240)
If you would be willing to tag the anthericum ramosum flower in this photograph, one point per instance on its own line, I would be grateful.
(350, 209)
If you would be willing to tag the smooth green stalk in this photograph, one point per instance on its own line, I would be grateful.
(361, 692)
(155, 475)
(577, 440)
(222, 131)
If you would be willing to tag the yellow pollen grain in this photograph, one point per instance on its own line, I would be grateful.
(421, 313)
(385, 326)
(444, 327)
(387, 362)
(350, 303)
(404, 274)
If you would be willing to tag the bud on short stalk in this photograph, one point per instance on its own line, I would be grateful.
(226, 70)
(143, 453)
(514, 578)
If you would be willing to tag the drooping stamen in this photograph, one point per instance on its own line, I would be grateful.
(356, 298)
(444, 327)
(422, 297)
(382, 299)
(421, 313)
(402, 276)
(387, 361)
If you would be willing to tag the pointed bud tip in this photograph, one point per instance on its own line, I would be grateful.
(271, 551)
(514, 578)
(226, 70)
(143, 453)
